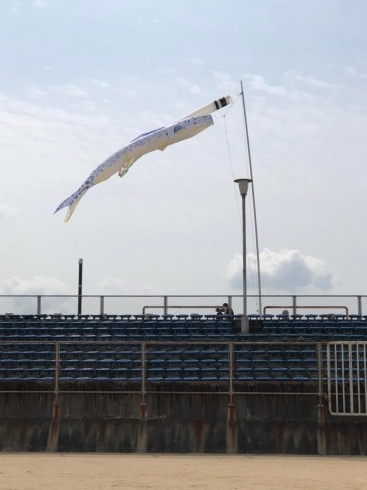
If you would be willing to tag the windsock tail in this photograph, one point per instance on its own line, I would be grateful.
(72, 202)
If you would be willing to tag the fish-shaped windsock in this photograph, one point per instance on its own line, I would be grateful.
(159, 139)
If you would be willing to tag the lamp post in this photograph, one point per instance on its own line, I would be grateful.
(80, 286)
(243, 187)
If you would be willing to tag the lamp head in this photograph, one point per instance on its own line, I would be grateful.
(243, 185)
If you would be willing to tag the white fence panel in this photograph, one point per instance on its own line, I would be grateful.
(347, 378)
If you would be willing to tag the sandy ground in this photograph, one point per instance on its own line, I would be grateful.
(163, 472)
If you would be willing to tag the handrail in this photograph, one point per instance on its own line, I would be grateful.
(186, 307)
(309, 307)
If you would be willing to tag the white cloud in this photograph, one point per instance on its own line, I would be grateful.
(166, 71)
(15, 8)
(257, 82)
(147, 289)
(70, 90)
(36, 92)
(36, 285)
(194, 89)
(156, 21)
(99, 83)
(314, 82)
(225, 83)
(127, 93)
(39, 4)
(112, 285)
(287, 270)
(7, 211)
(350, 71)
(196, 61)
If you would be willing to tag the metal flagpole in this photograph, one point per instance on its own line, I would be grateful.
(253, 201)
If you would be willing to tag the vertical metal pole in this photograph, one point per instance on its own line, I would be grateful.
(80, 286)
(294, 301)
(229, 301)
(351, 394)
(101, 305)
(38, 305)
(244, 322)
(343, 375)
(230, 362)
(358, 381)
(57, 367)
(319, 370)
(165, 304)
(359, 300)
(336, 378)
(143, 371)
(253, 200)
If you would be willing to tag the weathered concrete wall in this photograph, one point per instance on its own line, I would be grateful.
(268, 424)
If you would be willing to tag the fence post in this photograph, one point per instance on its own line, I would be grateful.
(143, 372)
(230, 361)
(319, 370)
(57, 367)
(359, 299)
(38, 305)
(321, 434)
(142, 442)
(294, 303)
(230, 301)
(101, 305)
(165, 305)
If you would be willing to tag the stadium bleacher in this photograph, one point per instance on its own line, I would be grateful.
(191, 348)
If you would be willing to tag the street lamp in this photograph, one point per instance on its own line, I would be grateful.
(243, 187)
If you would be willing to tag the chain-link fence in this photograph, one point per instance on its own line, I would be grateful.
(128, 305)
(201, 304)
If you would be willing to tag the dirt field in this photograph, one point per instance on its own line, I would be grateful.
(161, 472)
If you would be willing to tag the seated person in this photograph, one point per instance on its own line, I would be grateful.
(219, 312)
(224, 310)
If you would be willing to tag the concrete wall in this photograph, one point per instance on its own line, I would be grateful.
(255, 423)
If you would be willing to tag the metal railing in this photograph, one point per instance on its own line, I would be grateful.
(97, 304)
(141, 354)
(334, 308)
(347, 378)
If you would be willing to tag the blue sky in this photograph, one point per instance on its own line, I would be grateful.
(82, 78)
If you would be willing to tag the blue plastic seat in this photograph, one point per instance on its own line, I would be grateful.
(279, 370)
(156, 363)
(270, 329)
(208, 352)
(208, 362)
(300, 378)
(242, 369)
(182, 317)
(191, 371)
(154, 372)
(282, 377)
(355, 317)
(173, 371)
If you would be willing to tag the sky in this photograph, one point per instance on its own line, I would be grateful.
(80, 79)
